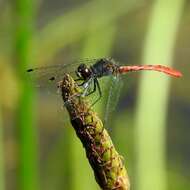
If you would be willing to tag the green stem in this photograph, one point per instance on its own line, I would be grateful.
(105, 161)
(27, 134)
(153, 96)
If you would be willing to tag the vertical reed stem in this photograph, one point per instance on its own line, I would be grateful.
(24, 19)
(153, 96)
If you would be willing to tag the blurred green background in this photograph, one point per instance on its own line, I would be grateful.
(150, 128)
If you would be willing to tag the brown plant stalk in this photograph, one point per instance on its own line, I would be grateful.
(105, 161)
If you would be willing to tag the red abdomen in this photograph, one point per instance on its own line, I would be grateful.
(160, 68)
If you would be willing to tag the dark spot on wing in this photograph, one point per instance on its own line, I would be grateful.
(52, 78)
(29, 70)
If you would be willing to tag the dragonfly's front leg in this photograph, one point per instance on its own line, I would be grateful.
(80, 79)
(92, 91)
(87, 86)
(87, 89)
(96, 82)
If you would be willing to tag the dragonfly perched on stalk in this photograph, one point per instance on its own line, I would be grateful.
(91, 70)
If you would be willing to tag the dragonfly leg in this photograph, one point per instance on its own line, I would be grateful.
(96, 82)
(87, 89)
(92, 91)
(79, 94)
(87, 86)
(80, 79)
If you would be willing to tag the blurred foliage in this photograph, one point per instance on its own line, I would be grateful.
(154, 95)
(27, 173)
(68, 30)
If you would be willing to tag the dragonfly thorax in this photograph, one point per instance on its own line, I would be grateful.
(104, 67)
(84, 72)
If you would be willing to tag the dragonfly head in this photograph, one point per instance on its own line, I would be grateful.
(83, 71)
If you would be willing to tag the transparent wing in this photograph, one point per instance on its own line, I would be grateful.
(113, 98)
(49, 76)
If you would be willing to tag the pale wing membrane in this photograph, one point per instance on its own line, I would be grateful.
(47, 77)
(113, 98)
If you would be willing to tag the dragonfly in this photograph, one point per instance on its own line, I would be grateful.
(91, 70)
